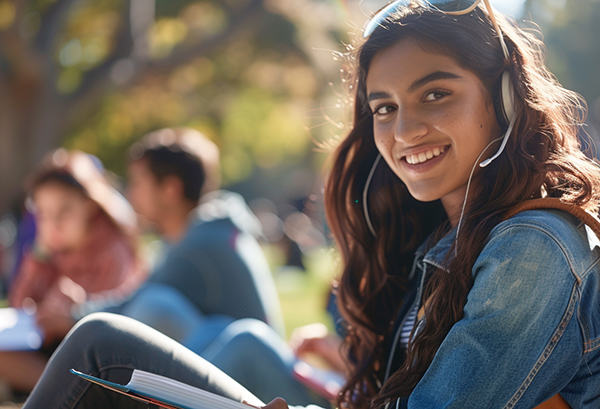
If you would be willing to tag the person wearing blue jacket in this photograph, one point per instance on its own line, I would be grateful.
(213, 269)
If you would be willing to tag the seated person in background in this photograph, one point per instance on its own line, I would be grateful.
(309, 369)
(214, 270)
(84, 250)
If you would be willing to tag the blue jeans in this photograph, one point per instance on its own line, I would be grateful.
(248, 350)
(254, 354)
(163, 308)
(110, 347)
(167, 310)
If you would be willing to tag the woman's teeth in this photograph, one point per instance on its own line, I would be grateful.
(425, 156)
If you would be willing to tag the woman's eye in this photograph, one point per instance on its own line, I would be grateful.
(435, 95)
(383, 110)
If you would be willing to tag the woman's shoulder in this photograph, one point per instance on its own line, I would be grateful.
(537, 216)
(560, 225)
(548, 233)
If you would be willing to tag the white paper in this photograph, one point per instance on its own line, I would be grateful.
(179, 393)
(18, 331)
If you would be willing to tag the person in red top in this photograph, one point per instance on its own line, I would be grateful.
(84, 250)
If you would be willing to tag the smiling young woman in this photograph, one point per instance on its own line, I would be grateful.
(497, 324)
(453, 297)
(432, 118)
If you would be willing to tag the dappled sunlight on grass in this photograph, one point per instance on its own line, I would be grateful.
(303, 294)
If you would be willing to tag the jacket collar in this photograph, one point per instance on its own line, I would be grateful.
(436, 255)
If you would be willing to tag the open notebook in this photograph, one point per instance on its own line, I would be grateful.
(166, 392)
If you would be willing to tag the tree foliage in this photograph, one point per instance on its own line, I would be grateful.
(96, 75)
(571, 31)
(251, 74)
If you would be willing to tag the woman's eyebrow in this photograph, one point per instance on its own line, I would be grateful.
(434, 76)
(437, 75)
(377, 95)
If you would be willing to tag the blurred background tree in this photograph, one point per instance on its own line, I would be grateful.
(96, 75)
(254, 75)
(571, 31)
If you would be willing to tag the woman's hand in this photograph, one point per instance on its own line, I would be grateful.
(277, 403)
(315, 339)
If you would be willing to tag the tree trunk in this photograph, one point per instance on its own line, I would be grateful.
(31, 123)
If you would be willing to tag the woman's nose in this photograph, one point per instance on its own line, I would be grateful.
(410, 126)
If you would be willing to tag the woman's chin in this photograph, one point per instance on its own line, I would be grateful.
(423, 195)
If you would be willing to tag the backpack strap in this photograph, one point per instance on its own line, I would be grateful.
(555, 402)
(554, 203)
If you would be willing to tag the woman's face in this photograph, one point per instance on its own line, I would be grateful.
(431, 120)
(63, 216)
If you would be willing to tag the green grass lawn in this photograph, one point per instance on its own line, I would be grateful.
(303, 294)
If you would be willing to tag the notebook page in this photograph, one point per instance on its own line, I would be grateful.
(178, 392)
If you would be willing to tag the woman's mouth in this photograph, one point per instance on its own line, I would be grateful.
(422, 157)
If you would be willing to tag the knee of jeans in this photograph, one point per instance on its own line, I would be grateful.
(243, 347)
(249, 327)
(95, 326)
(255, 336)
(161, 301)
(153, 291)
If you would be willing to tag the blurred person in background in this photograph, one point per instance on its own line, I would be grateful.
(213, 270)
(84, 250)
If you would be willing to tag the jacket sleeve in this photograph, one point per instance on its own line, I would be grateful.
(519, 342)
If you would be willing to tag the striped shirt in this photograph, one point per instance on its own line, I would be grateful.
(409, 323)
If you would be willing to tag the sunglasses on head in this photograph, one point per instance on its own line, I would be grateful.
(450, 7)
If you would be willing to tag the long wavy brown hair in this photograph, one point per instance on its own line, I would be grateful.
(542, 159)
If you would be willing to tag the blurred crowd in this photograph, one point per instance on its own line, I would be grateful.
(81, 244)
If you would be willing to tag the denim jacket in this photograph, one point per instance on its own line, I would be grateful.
(531, 325)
